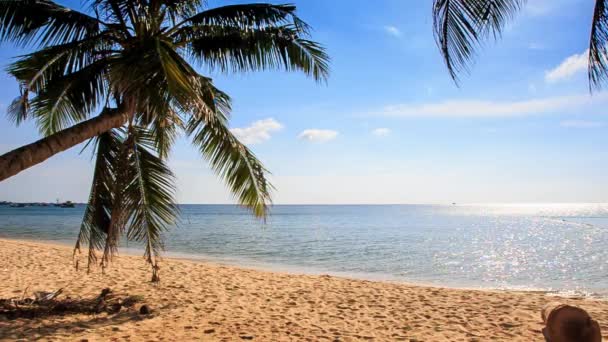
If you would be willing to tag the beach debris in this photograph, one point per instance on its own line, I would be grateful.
(100, 302)
(129, 301)
(45, 303)
(114, 308)
(43, 296)
(145, 310)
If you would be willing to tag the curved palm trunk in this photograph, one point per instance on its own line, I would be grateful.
(15, 161)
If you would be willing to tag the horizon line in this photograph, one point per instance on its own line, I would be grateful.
(370, 204)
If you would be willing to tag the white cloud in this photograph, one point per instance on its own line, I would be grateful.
(581, 124)
(318, 135)
(381, 132)
(568, 67)
(257, 132)
(481, 108)
(392, 30)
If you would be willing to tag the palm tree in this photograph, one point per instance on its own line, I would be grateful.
(121, 77)
(460, 26)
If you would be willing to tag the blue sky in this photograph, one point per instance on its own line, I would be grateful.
(390, 126)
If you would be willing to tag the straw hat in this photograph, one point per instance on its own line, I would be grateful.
(565, 323)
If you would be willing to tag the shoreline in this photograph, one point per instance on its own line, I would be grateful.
(201, 300)
(311, 271)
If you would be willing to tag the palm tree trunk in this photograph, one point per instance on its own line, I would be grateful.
(15, 161)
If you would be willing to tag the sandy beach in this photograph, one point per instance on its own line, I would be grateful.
(208, 302)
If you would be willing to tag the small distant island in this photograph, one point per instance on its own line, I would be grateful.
(66, 204)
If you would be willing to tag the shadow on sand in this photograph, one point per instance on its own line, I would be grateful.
(36, 318)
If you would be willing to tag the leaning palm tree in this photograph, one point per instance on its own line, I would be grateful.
(121, 75)
(460, 26)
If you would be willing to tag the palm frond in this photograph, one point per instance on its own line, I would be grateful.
(149, 199)
(165, 131)
(114, 13)
(35, 69)
(118, 213)
(234, 50)
(18, 110)
(461, 25)
(598, 46)
(96, 221)
(132, 192)
(250, 16)
(165, 86)
(178, 88)
(182, 9)
(242, 172)
(43, 22)
(179, 76)
(139, 73)
(68, 80)
(69, 99)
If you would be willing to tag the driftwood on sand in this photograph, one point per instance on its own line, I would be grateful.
(43, 304)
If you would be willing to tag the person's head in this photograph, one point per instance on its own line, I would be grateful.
(567, 323)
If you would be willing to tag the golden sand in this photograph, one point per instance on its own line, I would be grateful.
(208, 302)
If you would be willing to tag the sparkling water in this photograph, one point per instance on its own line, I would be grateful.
(549, 247)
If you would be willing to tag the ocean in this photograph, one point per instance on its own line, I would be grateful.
(560, 248)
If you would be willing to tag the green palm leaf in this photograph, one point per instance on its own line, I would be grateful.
(35, 69)
(17, 111)
(179, 76)
(150, 199)
(96, 222)
(165, 130)
(132, 194)
(69, 99)
(57, 75)
(249, 16)
(461, 25)
(43, 22)
(163, 86)
(182, 9)
(234, 50)
(242, 172)
(598, 46)
(235, 163)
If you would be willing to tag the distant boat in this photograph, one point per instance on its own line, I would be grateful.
(67, 204)
(17, 205)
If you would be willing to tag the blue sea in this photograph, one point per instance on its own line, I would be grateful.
(546, 247)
